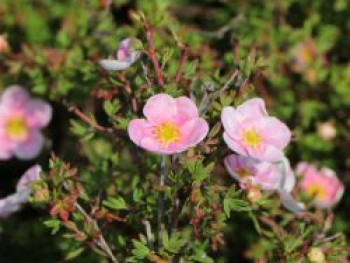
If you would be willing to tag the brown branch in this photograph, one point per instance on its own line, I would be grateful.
(183, 58)
(152, 55)
(91, 122)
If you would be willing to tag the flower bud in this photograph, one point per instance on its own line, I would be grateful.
(253, 195)
(327, 131)
(316, 255)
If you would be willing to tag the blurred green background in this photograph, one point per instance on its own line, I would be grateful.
(54, 47)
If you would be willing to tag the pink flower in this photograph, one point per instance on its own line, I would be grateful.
(3, 44)
(321, 185)
(266, 176)
(126, 55)
(251, 132)
(21, 119)
(171, 125)
(304, 55)
(14, 202)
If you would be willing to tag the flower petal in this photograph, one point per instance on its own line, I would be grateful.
(31, 175)
(193, 132)
(30, 148)
(253, 108)
(281, 134)
(288, 177)
(138, 130)
(266, 152)
(38, 113)
(159, 108)
(290, 203)
(230, 120)
(9, 205)
(115, 65)
(186, 108)
(15, 96)
(234, 145)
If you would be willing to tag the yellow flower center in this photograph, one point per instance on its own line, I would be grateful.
(16, 128)
(251, 138)
(167, 133)
(242, 172)
(317, 191)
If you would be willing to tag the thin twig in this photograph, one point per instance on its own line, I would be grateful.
(91, 122)
(183, 58)
(220, 33)
(145, 74)
(208, 98)
(149, 234)
(102, 242)
(152, 54)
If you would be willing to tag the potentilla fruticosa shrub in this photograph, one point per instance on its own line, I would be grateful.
(169, 159)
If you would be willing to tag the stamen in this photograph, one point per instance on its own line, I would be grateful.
(167, 133)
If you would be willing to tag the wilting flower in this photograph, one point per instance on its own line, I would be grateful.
(265, 176)
(320, 184)
(172, 125)
(125, 56)
(14, 202)
(327, 130)
(21, 118)
(250, 131)
(3, 44)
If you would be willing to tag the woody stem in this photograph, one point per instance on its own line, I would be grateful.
(160, 201)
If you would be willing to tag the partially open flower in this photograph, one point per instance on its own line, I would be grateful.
(266, 176)
(125, 56)
(21, 118)
(250, 131)
(321, 185)
(172, 125)
(3, 44)
(14, 202)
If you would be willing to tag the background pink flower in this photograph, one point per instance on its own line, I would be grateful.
(3, 44)
(126, 55)
(14, 202)
(21, 119)
(171, 125)
(251, 132)
(321, 185)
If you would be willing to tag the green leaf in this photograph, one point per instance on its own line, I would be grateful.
(232, 202)
(117, 203)
(175, 243)
(198, 171)
(111, 107)
(74, 253)
(54, 224)
(140, 251)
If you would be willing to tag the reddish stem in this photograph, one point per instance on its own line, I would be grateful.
(183, 58)
(91, 122)
(152, 55)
